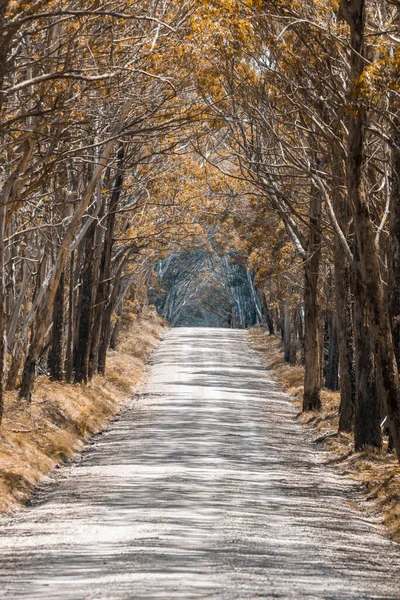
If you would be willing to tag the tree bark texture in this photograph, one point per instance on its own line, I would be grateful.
(117, 327)
(287, 333)
(344, 312)
(312, 372)
(266, 313)
(332, 362)
(3, 343)
(379, 320)
(81, 351)
(367, 431)
(70, 334)
(394, 246)
(106, 324)
(55, 359)
(104, 285)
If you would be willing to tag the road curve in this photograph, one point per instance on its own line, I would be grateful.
(206, 488)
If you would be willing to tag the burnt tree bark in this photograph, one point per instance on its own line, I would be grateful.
(3, 343)
(379, 320)
(291, 334)
(344, 315)
(312, 371)
(81, 350)
(287, 333)
(106, 323)
(96, 262)
(367, 431)
(394, 246)
(117, 326)
(332, 361)
(344, 311)
(394, 242)
(55, 359)
(70, 333)
(294, 338)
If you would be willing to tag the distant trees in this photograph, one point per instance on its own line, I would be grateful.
(205, 289)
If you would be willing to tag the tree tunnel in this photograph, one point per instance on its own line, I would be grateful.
(203, 289)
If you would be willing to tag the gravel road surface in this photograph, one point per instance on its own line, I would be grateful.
(206, 488)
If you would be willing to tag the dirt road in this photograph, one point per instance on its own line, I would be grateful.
(207, 488)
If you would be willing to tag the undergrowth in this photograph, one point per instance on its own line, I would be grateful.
(35, 438)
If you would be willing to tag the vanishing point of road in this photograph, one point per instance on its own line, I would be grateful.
(206, 488)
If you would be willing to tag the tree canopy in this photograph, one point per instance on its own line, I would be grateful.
(235, 162)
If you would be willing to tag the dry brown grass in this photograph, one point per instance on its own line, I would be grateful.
(377, 472)
(36, 438)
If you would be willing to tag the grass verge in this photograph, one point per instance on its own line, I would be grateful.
(377, 472)
(36, 438)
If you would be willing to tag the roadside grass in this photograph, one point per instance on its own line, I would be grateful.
(377, 472)
(36, 438)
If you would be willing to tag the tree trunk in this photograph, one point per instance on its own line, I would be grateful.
(287, 333)
(332, 363)
(281, 320)
(16, 362)
(104, 286)
(367, 431)
(70, 334)
(117, 327)
(106, 324)
(37, 341)
(17, 309)
(29, 375)
(380, 325)
(345, 333)
(394, 247)
(96, 281)
(301, 334)
(266, 313)
(294, 338)
(55, 360)
(343, 300)
(81, 351)
(312, 371)
(3, 344)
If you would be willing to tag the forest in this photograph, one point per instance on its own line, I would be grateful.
(233, 162)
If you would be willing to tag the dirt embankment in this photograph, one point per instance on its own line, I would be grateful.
(377, 472)
(36, 438)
